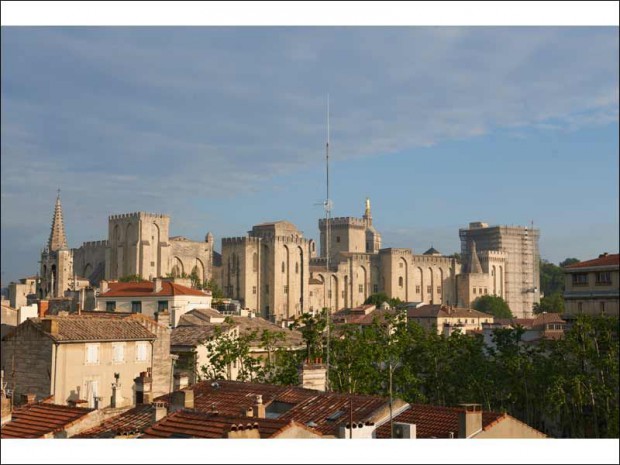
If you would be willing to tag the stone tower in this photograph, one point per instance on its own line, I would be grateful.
(56, 259)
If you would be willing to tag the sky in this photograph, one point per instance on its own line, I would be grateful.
(225, 127)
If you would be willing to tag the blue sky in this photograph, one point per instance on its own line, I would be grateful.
(224, 127)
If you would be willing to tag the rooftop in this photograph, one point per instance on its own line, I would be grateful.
(193, 424)
(442, 311)
(145, 289)
(134, 420)
(603, 260)
(38, 419)
(435, 422)
(192, 336)
(72, 328)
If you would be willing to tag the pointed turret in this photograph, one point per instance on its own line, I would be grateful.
(474, 261)
(57, 240)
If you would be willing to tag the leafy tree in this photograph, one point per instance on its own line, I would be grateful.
(493, 305)
(216, 292)
(227, 350)
(553, 303)
(569, 261)
(312, 328)
(132, 278)
(380, 297)
(551, 278)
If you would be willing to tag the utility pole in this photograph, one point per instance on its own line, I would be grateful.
(327, 217)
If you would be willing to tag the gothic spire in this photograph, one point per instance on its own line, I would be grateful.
(367, 214)
(57, 240)
(474, 261)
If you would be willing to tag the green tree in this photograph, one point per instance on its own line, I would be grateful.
(551, 278)
(312, 328)
(228, 350)
(380, 297)
(132, 278)
(553, 303)
(569, 261)
(216, 292)
(493, 305)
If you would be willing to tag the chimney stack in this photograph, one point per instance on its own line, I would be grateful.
(159, 411)
(103, 287)
(157, 285)
(258, 410)
(313, 375)
(29, 398)
(181, 400)
(50, 326)
(163, 318)
(470, 420)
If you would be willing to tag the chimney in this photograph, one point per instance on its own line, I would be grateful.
(258, 410)
(103, 287)
(157, 285)
(7, 410)
(181, 400)
(43, 306)
(604, 254)
(117, 400)
(181, 380)
(159, 411)
(28, 398)
(313, 375)
(143, 388)
(470, 420)
(163, 318)
(50, 326)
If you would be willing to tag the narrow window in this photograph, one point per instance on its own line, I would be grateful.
(141, 351)
(92, 354)
(118, 352)
(162, 305)
(110, 306)
(253, 289)
(361, 288)
(136, 307)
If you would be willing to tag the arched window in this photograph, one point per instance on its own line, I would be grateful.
(296, 267)
(400, 281)
(283, 267)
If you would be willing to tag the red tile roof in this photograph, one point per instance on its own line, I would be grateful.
(234, 398)
(145, 289)
(208, 425)
(442, 311)
(84, 329)
(604, 260)
(134, 420)
(435, 422)
(38, 419)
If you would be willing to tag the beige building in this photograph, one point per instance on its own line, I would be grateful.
(591, 287)
(87, 358)
(150, 297)
(269, 270)
(509, 256)
(138, 243)
(19, 293)
(446, 320)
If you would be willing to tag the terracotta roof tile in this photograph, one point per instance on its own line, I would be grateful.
(145, 289)
(435, 422)
(38, 419)
(208, 425)
(193, 335)
(442, 311)
(606, 260)
(133, 420)
(78, 328)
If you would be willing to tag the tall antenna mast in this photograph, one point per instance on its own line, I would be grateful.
(327, 216)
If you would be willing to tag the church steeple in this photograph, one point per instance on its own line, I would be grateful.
(474, 261)
(57, 240)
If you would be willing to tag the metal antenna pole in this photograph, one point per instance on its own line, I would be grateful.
(327, 215)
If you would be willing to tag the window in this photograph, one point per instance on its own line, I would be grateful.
(110, 306)
(480, 290)
(474, 290)
(429, 289)
(485, 290)
(580, 279)
(253, 289)
(400, 265)
(297, 268)
(162, 305)
(361, 288)
(136, 307)
(92, 354)
(141, 351)
(400, 281)
(375, 288)
(438, 289)
(283, 267)
(118, 352)
(603, 277)
(310, 293)
(286, 289)
(417, 289)
(337, 238)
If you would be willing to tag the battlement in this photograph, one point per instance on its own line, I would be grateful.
(137, 215)
(432, 259)
(486, 254)
(94, 244)
(240, 240)
(396, 251)
(343, 221)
